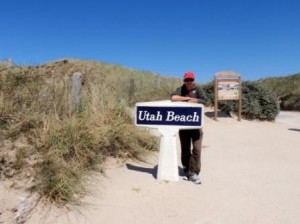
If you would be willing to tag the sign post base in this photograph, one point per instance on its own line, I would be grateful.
(167, 163)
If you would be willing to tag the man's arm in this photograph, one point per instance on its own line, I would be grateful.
(180, 98)
(177, 95)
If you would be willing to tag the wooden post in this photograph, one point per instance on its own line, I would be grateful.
(216, 100)
(76, 87)
(240, 100)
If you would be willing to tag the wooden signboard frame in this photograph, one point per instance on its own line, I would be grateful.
(228, 86)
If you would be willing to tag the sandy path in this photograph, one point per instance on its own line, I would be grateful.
(250, 174)
(288, 117)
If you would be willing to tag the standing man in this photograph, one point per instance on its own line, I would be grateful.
(190, 159)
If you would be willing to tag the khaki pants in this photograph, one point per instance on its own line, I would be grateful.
(191, 158)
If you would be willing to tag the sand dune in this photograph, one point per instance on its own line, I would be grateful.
(250, 174)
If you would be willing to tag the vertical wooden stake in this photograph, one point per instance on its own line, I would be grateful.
(76, 87)
(216, 100)
(240, 100)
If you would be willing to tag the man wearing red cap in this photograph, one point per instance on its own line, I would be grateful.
(190, 159)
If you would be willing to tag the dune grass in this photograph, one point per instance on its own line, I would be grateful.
(36, 104)
(287, 89)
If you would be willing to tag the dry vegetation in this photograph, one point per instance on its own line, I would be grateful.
(50, 146)
(287, 89)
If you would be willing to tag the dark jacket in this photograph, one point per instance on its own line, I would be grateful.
(196, 92)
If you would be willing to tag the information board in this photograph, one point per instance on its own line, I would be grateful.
(228, 87)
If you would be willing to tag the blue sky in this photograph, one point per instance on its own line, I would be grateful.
(258, 38)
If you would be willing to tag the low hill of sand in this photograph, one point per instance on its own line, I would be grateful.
(250, 174)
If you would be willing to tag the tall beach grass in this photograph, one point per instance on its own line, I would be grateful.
(36, 104)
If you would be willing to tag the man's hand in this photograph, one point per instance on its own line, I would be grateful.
(192, 100)
(180, 98)
(184, 99)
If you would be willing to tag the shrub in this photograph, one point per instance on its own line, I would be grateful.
(257, 101)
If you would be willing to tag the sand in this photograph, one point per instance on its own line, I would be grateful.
(250, 174)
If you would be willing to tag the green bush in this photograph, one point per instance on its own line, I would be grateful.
(258, 102)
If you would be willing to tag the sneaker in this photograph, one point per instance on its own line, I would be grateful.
(186, 172)
(195, 179)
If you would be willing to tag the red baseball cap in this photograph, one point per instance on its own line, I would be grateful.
(189, 75)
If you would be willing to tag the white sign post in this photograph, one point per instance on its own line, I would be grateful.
(168, 117)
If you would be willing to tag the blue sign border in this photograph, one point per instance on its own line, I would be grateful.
(163, 111)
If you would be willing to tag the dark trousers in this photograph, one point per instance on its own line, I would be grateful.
(191, 158)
